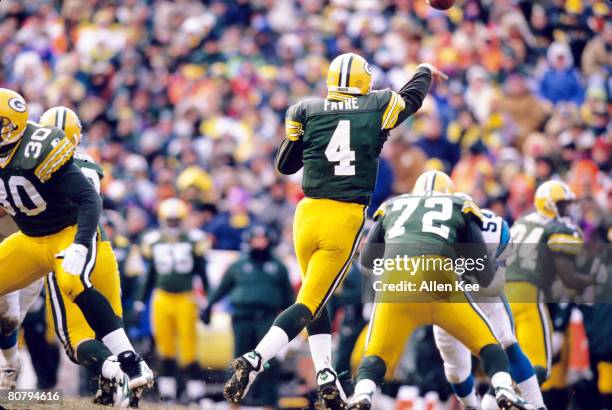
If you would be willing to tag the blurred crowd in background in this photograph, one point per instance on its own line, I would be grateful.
(187, 98)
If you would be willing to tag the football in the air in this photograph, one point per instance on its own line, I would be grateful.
(441, 4)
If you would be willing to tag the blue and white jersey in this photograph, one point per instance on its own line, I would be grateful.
(496, 234)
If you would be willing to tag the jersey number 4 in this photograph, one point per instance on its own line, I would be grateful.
(339, 149)
(430, 219)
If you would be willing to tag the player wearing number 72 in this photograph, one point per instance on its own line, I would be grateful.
(337, 140)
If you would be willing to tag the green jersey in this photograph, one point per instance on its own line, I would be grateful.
(28, 191)
(536, 240)
(342, 140)
(94, 173)
(90, 168)
(427, 222)
(255, 285)
(172, 263)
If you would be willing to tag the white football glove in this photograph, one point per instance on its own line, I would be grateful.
(74, 258)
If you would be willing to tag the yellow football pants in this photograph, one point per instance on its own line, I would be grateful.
(532, 324)
(326, 234)
(394, 322)
(173, 321)
(557, 378)
(23, 259)
(70, 325)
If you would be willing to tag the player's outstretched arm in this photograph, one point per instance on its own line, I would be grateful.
(414, 91)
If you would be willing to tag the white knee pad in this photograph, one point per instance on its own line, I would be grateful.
(28, 296)
(9, 312)
(500, 321)
(457, 358)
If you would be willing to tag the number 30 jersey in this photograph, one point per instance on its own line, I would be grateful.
(535, 239)
(342, 137)
(28, 191)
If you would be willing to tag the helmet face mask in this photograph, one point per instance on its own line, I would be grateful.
(13, 117)
(172, 214)
(554, 199)
(6, 126)
(565, 207)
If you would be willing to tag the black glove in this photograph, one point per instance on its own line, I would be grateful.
(205, 315)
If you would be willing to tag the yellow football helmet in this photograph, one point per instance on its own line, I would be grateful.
(549, 194)
(349, 73)
(433, 181)
(66, 120)
(172, 209)
(13, 116)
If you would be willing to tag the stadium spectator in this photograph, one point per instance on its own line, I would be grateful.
(258, 287)
(561, 81)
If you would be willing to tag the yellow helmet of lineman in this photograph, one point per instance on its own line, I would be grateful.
(433, 181)
(66, 120)
(549, 194)
(349, 73)
(172, 209)
(13, 116)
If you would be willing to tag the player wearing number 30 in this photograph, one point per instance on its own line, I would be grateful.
(337, 140)
(57, 211)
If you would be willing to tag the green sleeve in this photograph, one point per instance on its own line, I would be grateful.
(149, 284)
(200, 270)
(413, 93)
(374, 247)
(289, 159)
(294, 122)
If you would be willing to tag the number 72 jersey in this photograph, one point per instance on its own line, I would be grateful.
(27, 190)
(427, 222)
(342, 140)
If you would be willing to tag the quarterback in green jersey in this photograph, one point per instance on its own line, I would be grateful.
(337, 140)
(546, 243)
